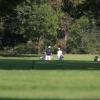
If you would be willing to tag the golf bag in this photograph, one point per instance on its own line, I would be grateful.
(61, 57)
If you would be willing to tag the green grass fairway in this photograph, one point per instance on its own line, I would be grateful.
(69, 62)
(77, 77)
(82, 57)
(49, 85)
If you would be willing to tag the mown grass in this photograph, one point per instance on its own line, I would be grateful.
(69, 62)
(82, 57)
(21, 78)
(50, 85)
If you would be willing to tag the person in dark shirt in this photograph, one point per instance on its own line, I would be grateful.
(48, 53)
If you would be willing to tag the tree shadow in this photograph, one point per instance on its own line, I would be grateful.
(19, 64)
(67, 64)
(5, 98)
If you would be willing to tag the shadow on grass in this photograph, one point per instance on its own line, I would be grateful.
(3, 98)
(18, 64)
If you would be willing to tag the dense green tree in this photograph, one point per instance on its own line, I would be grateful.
(45, 21)
(38, 22)
(82, 39)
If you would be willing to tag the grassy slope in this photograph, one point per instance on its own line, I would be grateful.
(56, 84)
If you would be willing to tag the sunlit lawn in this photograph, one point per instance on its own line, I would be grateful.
(83, 57)
(49, 84)
(35, 84)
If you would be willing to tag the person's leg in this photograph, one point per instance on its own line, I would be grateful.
(49, 57)
(58, 57)
(46, 58)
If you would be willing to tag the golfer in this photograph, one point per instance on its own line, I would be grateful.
(48, 53)
(60, 54)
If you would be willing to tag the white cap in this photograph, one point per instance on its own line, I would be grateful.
(58, 48)
(49, 46)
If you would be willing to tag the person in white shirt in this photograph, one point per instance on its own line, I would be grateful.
(59, 54)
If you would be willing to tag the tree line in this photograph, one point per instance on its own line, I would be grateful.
(29, 26)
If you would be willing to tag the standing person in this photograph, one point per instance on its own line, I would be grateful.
(48, 53)
(60, 54)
